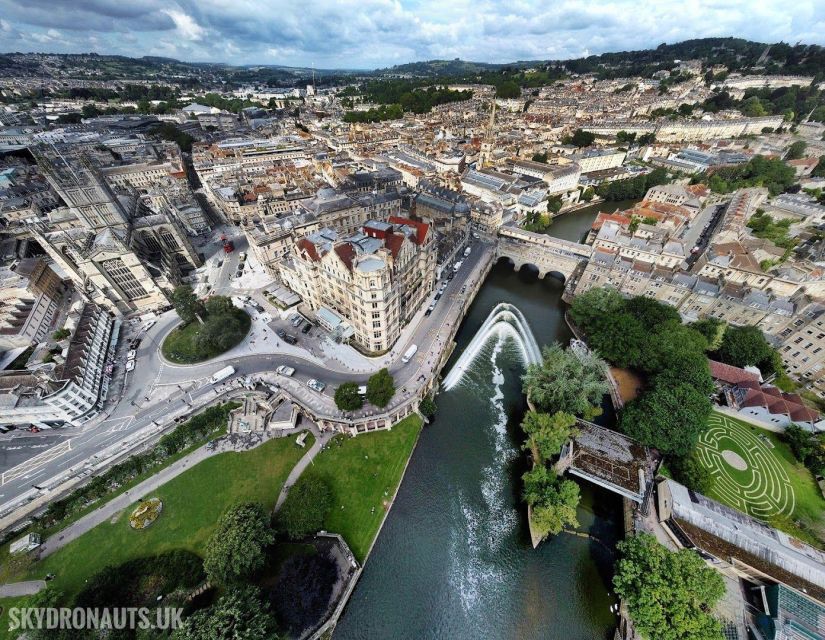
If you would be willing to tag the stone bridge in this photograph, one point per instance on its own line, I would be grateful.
(546, 253)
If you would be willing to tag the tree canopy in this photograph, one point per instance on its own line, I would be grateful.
(239, 614)
(580, 138)
(746, 346)
(380, 388)
(186, 303)
(347, 397)
(566, 381)
(668, 594)
(553, 500)
(236, 549)
(546, 433)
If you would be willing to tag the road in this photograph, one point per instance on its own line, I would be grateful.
(157, 392)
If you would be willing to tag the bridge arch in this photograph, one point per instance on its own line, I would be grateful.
(557, 275)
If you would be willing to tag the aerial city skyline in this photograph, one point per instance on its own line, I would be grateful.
(412, 320)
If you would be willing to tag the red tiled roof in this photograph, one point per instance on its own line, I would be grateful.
(421, 228)
(777, 402)
(612, 217)
(393, 242)
(346, 252)
(307, 246)
(730, 374)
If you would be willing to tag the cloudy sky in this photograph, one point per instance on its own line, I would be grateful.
(376, 33)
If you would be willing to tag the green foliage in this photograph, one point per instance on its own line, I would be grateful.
(547, 433)
(380, 388)
(553, 500)
(347, 397)
(382, 113)
(632, 188)
(712, 329)
(168, 131)
(588, 194)
(540, 157)
(669, 595)
(236, 549)
(689, 471)
(61, 334)
(427, 407)
(807, 447)
(580, 138)
(240, 614)
(224, 326)
(194, 430)
(554, 204)
(305, 508)
(537, 222)
(764, 226)
(507, 89)
(771, 173)
(746, 346)
(819, 169)
(796, 150)
(186, 303)
(625, 138)
(670, 416)
(565, 381)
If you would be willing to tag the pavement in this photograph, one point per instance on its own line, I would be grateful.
(17, 589)
(157, 391)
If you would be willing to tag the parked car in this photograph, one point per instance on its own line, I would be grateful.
(285, 370)
(316, 385)
(280, 333)
(429, 310)
(362, 390)
(296, 321)
(307, 327)
(289, 339)
(131, 355)
(130, 365)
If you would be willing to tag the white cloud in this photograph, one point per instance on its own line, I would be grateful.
(185, 25)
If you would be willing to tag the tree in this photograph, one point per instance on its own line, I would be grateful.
(690, 471)
(380, 388)
(819, 169)
(650, 312)
(669, 417)
(186, 303)
(796, 150)
(594, 306)
(507, 89)
(553, 501)
(713, 329)
(236, 549)
(547, 433)
(580, 138)
(306, 507)
(427, 407)
(669, 595)
(746, 346)
(588, 194)
(61, 334)
(566, 381)
(347, 397)
(239, 614)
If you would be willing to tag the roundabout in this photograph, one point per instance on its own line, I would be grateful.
(747, 473)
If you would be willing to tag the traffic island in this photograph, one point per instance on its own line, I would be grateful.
(199, 341)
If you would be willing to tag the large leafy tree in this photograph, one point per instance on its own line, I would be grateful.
(305, 508)
(186, 303)
(347, 397)
(669, 417)
(239, 614)
(565, 381)
(712, 329)
(552, 499)
(236, 549)
(690, 471)
(546, 433)
(668, 594)
(743, 346)
(380, 388)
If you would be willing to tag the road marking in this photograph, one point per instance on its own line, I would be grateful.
(38, 461)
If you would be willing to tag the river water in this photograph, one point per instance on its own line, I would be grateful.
(454, 560)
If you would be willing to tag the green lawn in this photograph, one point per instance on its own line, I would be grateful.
(192, 504)
(364, 472)
(181, 346)
(774, 487)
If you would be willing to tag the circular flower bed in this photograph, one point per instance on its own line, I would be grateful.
(145, 513)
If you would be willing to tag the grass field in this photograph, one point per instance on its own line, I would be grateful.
(363, 474)
(192, 504)
(181, 346)
(772, 486)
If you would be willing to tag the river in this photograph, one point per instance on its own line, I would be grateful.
(454, 560)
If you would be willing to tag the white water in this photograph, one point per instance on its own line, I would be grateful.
(504, 321)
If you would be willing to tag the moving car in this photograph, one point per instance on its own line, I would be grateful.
(285, 370)
(409, 353)
(316, 385)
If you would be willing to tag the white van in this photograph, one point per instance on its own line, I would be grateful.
(409, 353)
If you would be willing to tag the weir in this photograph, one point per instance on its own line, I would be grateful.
(505, 320)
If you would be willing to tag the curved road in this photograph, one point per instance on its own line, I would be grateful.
(157, 392)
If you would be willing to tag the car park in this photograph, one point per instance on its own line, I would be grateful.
(285, 370)
(316, 385)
